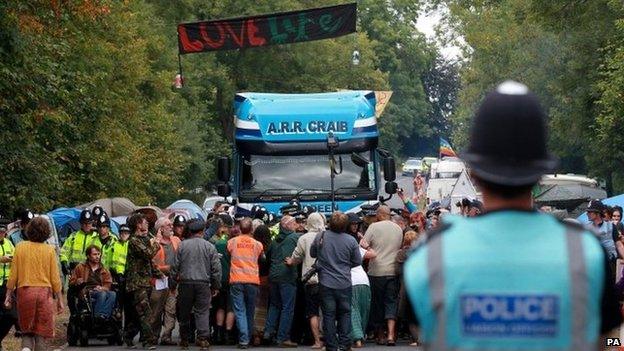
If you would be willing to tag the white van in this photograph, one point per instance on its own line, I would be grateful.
(442, 178)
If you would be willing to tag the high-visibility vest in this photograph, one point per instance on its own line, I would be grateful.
(120, 254)
(244, 252)
(6, 249)
(73, 250)
(107, 250)
(159, 258)
(515, 280)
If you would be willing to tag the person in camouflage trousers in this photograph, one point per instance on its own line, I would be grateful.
(142, 247)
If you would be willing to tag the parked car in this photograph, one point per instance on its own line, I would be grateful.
(411, 165)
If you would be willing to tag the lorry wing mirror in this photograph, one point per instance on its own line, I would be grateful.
(391, 187)
(224, 190)
(223, 169)
(389, 169)
(359, 160)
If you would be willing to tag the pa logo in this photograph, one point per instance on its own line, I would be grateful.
(613, 342)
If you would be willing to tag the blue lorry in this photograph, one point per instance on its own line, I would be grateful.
(314, 148)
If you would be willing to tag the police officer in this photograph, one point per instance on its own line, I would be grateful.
(19, 235)
(603, 228)
(120, 251)
(179, 224)
(105, 241)
(7, 317)
(73, 250)
(512, 278)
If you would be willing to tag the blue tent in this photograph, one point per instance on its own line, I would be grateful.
(191, 207)
(66, 221)
(612, 201)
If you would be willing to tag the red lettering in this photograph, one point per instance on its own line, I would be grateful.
(237, 39)
(188, 45)
(212, 43)
(252, 33)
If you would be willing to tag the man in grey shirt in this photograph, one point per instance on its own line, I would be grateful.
(336, 253)
(385, 237)
(199, 276)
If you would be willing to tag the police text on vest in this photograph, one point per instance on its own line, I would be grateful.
(494, 315)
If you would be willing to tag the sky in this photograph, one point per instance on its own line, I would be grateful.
(426, 24)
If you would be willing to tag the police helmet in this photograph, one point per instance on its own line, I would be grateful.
(307, 210)
(97, 211)
(3, 227)
(86, 216)
(295, 203)
(124, 228)
(103, 220)
(289, 210)
(369, 210)
(26, 216)
(508, 138)
(595, 206)
(226, 219)
(179, 220)
(261, 213)
(254, 209)
(271, 218)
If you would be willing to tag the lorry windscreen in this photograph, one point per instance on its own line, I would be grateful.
(261, 173)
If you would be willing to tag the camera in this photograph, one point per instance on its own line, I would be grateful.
(309, 274)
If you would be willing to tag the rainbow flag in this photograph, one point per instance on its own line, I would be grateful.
(446, 149)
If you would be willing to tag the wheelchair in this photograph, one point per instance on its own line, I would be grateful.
(83, 325)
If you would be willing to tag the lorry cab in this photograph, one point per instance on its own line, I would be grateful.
(284, 145)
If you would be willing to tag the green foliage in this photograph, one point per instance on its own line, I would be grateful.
(87, 109)
(567, 52)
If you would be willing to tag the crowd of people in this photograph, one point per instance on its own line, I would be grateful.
(337, 282)
(305, 279)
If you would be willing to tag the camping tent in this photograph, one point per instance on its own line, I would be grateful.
(66, 221)
(114, 207)
(191, 207)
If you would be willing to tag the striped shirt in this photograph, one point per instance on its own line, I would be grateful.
(244, 252)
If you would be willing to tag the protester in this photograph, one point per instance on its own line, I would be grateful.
(222, 303)
(8, 317)
(337, 253)
(511, 256)
(199, 277)
(35, 276)
(94, 281)
(244, 277)
(282, 284)
(139, 271)
(617, 220)
(603, 228)
(315, 225)
(418, 222)
(385, 238)
(354, 227)
(24, 216)
(163, 296)
(405, 311)
(360, 298)
(263, 235)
